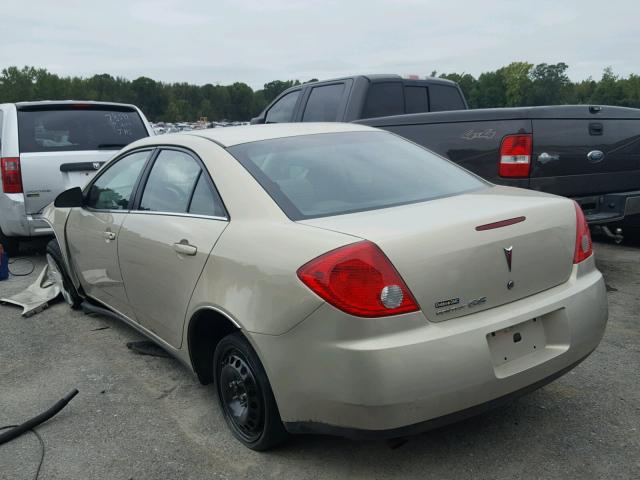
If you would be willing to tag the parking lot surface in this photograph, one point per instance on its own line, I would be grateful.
(146, 417)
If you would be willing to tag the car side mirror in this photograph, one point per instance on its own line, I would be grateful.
(258, 120)
(70, 198)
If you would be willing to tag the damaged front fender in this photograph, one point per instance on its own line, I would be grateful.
(57, 220)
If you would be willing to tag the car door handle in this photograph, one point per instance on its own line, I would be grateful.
(109, 235)
(184, 248)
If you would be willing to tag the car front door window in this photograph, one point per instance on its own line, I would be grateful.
(112, 189)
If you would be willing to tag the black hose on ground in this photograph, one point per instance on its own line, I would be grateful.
(37, 420)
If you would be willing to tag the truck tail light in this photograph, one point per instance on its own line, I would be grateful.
(584, 246)
(515, 156)
(360, 280)
(11, 176)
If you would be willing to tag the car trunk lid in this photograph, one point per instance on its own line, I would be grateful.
(455, 259)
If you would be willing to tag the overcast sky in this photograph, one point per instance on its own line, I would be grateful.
(223, 41)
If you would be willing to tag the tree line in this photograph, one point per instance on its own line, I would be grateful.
(517, 84)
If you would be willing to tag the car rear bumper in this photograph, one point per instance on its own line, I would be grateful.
(389, 377)
(15, 222)
(359, 434)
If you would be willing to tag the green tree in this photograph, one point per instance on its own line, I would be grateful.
(150, 96)
(551, 85)
(518, 83)
(240, 101)
(491, 90)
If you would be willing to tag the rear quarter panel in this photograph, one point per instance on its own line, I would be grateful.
(251, 274)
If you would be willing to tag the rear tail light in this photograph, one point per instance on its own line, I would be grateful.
(360, 280)
(584, 247)
(11, 176)
(515, 156)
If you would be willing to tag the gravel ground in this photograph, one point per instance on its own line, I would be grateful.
(142, 417)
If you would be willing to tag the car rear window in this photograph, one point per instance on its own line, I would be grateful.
(328, 174)
(72, 128)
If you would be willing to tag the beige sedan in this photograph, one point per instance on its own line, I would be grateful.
(332, 278)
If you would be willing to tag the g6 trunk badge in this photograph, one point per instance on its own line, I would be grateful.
(508, 253)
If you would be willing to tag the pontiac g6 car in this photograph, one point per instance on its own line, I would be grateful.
(332, 278)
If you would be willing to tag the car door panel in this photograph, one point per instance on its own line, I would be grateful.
(92, 231)
(161, 259)
(94, 256)
(166, 239)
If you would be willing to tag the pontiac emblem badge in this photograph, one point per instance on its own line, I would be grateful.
(508, 253)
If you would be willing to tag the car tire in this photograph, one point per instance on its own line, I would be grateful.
(9, 244)
(245, 395)
(59, 275)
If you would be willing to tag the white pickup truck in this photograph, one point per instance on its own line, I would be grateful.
(50, 146)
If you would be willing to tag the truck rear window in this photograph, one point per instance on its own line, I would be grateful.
(384, 99)
(335, 173)
(72, 128)
(443, 98)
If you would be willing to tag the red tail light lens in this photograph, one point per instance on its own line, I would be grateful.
(584, 246)
(360, 280)
(515, 156)
(11, 176)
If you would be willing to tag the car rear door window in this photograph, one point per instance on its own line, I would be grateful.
(78, 127)
(324, 103)
(444, 97)
(112, 189)
(171, 182)
(416, 99)
(205, 200)
(384, 99)
(282, 110)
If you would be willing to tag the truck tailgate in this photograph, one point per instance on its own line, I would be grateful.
(589, 154)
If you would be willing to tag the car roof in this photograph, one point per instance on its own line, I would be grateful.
(230, 136)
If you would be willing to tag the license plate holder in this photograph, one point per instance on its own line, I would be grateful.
(517, 341)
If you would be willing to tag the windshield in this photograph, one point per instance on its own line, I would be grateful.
(78, 127)
(335, 173)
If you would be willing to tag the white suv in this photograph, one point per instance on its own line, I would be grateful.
(47, 147)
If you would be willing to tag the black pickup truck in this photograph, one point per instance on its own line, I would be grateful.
(589, 153)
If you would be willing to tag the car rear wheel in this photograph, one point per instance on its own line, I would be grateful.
(58, 275)
(245, 394)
